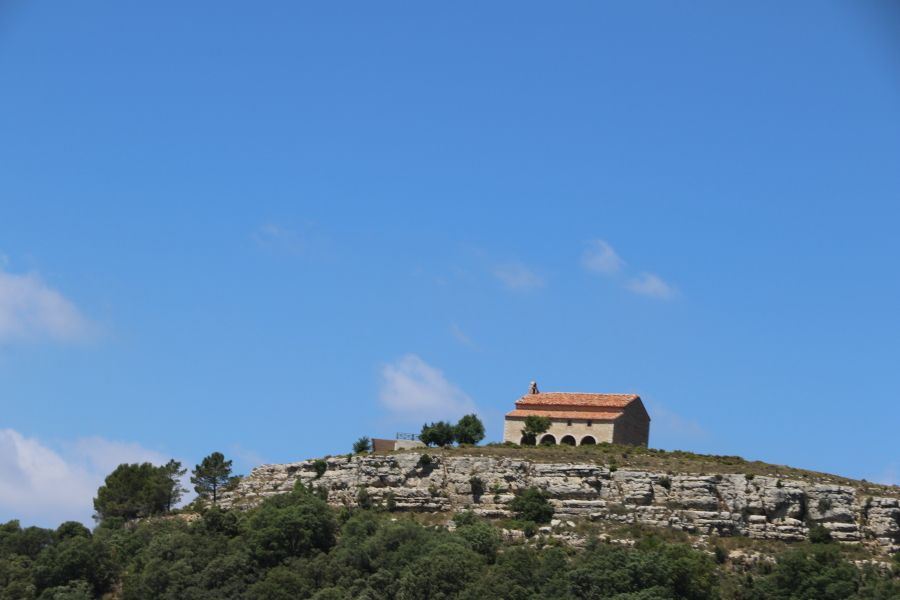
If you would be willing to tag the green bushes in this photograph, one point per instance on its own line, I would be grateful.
(468, 430)
(532, 505)
(292, 547)
(819, 535)
(320, 466)
(533, 427)
(296, 546)
(656, 569)
(362, 446)
(136, 490)
(477, 486)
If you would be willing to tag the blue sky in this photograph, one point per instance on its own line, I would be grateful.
(269, 230)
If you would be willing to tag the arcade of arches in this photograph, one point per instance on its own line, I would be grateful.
(550, 440)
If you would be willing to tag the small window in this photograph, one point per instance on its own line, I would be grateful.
(589, 423)
(569, 423)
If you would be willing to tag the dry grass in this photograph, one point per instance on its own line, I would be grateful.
(652, 459)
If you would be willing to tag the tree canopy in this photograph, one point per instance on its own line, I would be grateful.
(535, 426)
(212, 474)
(135, 490)
(362, 445)
(296, 546)
(469, 430)
(437, 434)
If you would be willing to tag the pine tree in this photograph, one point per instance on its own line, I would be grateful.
(211, 474)
(174, 472)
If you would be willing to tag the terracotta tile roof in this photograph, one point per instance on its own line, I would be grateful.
(609, 401)
(595, 415)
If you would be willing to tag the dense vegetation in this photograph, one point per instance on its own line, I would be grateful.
(469, 430)
(296, 546)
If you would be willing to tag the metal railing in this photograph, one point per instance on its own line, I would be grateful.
(407, 436)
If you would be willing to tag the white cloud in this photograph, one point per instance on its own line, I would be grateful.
(460, 336)
(276, 238)
(517, 276)
(648, 284)
(40, 485)
(29, 309)
(414, 390)
(245, 458)
(600, 257)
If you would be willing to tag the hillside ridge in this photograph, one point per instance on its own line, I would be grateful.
(595, 486)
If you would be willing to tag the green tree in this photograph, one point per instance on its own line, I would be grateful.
(650, 571)
(76, 590)
(213, 473)
(819, 534)
(532, 505)
(441, 573)
(482, 538)
(132, 491)
(469, 430)
(71, 529)
(175, 491)
(534, 426)
(437, 434)
(290, 525)
(362, 445)
(280, 583)
(819, 573)
(75, 559)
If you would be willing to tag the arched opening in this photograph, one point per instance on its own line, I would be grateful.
(568, 440)
(588, 441)
(527, 440)
(548, 440)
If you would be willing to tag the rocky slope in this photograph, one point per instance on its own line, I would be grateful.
(724, 504)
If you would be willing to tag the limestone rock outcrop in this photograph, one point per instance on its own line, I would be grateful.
(733, 504)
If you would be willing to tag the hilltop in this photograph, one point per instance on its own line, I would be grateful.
(596, 489)
(470, 523)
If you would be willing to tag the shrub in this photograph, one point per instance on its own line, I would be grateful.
(482, 538)
(820, 535)
(363, 498)
(466, 517)
(390, 502)
(529, 528)
(362, 445)
(824, 505)
(425, 461)
(320, 466)
(749, 476)
(477, 486)
(665, 482)
(532, 505)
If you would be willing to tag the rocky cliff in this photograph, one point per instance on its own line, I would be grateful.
(724, 504)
